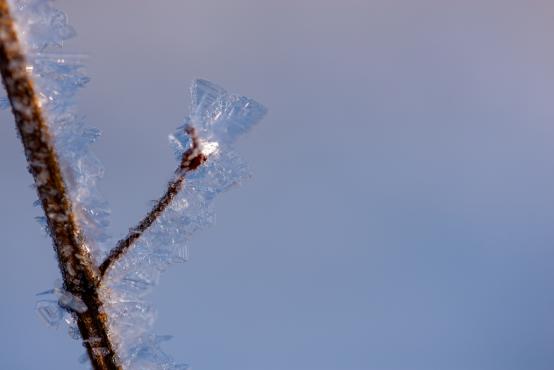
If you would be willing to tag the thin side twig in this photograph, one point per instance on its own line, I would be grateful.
(190, 161)
(80, 276)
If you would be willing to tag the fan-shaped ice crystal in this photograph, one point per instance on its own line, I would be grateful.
(220, 118)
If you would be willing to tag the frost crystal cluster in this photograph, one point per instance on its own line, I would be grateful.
(218, 117)
(58, 77)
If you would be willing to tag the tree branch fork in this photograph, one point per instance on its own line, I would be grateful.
(81, 277)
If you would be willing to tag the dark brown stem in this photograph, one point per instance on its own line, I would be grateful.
(191, 160)
(80, 275)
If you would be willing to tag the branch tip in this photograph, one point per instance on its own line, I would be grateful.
(191, 159)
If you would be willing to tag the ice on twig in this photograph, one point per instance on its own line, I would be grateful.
(58, 77)
(219, 118)
(72, 328)
(69, 301)
(61, 309)
(66, 300)
(146, 354)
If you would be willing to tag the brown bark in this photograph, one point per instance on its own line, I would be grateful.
(80, 276)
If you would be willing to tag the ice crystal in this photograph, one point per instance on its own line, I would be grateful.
(71, 302)
(219, 118)
(59, 308)
(41, 24)
(66, 300)
(58, 78)
(50, 311)
(72, 328)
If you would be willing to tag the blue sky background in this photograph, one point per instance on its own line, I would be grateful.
(402, 209)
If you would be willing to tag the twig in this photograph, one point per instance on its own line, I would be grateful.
(191, 160)
(79, 274)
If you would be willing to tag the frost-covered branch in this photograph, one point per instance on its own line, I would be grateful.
(104, 303)
(191, 160)
(80, 276)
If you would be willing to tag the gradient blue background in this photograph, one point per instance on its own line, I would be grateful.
(402, 210)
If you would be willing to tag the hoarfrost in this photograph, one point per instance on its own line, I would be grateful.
(50, 312)
(58, 78)
(56, 311)
(219, 118)
(69, 301)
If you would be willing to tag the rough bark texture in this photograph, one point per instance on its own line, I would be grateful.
(80, 275)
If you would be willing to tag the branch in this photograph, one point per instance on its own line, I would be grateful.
(79, 274)
(190, 161)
